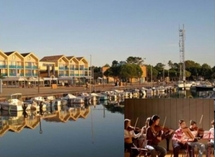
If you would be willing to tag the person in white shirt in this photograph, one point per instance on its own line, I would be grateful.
(129, 134)
(210, 144)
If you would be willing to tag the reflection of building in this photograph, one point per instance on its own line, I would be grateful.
(64, 116)
(17, 122)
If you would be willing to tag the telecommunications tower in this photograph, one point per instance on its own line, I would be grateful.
(181, 51)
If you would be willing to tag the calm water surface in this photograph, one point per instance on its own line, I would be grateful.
(92, 132)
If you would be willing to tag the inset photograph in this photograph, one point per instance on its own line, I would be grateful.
(169, 127)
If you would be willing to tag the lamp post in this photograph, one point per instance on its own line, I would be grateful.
(139, 78)
(151, 74)
(38, 80)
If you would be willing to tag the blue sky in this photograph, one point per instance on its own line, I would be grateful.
(109, 29)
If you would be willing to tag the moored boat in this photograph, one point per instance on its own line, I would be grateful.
(14, 103)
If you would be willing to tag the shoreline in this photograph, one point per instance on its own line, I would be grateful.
(60, 90)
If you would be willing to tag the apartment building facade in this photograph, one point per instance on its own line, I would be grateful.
(15, 66)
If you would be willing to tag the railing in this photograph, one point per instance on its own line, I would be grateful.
(63, 75)
(3, 66)
(15, 66)
(12, 66)
(12, 74)
(63, 68)
(28, 74)
(31, 67)
(19, 66)
(3, 74)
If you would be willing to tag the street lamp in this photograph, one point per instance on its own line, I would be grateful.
(38, 80)
(151, 74)
(139, 77)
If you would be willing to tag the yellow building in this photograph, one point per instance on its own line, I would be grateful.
(68, 69)
(14, 64)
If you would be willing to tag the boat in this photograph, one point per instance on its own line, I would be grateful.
(204, 86)
(78, 100)
(186, 85)
(67, 99)
(14, 103)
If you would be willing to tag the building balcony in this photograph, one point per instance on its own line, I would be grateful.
(3, 66)
(31, 75)
(31, 67)
(28, 74)
(15, 66)
(12, 74)
(3, 74)
(63, 68)
(63, 75)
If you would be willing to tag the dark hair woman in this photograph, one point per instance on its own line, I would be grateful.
(154, 137)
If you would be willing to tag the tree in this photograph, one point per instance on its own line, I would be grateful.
(134, 60)
(106, 65)
(206, 71)
(115, 63)
(171, 65)
(129, 71)
(154, 73)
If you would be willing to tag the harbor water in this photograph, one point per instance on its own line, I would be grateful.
(95, 131)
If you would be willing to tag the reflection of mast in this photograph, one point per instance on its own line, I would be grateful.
(41, 131)
(103, 111)
(92, 126)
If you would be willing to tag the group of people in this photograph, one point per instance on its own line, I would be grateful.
(151, 134)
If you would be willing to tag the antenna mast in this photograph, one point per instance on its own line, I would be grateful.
(182, 52)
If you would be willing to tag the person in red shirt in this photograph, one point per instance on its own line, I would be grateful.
(178, 141)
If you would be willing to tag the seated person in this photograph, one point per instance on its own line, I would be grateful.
(128, 135)
(210, 144)
(193, 127)
(154, 136)
(178, 140)
(143, 141)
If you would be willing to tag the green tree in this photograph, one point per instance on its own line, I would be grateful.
(153, 71)
(206, 71)
(106, 65)
(129, 71)
(134, 60)
(115, 63)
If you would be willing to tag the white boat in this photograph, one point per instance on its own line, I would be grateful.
(184, 85)
(38, 98)
(69, 98)
(14, 103)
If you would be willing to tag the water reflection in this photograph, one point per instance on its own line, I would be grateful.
(63, 131)
(17, 121)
